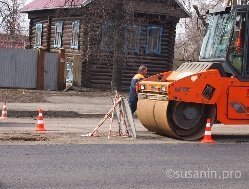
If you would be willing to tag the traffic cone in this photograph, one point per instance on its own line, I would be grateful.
(40, 123)
(207, 136)
(4, 111)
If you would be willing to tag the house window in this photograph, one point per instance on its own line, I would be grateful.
(58, 34)
(75, 34)
(154, 35)
(107, 37)
(132, 38)
(38, 34)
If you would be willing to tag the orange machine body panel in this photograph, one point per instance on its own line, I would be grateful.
(228, 94)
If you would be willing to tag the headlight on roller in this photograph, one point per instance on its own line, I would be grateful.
(163, 88)
(142, 87)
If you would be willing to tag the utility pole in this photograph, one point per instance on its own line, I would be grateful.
(118, 47)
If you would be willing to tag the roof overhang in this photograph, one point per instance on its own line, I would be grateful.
(184, 7)
(29, 8)
(175, 9)
(138, 6)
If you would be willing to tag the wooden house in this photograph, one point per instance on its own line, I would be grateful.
(107, 40)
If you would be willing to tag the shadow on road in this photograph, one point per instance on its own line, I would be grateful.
(16, 124)
(234, 138)
(218, 138)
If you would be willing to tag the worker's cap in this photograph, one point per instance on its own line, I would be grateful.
(142, 68)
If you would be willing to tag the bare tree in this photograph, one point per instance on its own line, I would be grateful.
(191, 31)
(11, 20)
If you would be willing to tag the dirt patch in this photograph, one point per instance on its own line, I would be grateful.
(22, 95)
(23, 137)
(56, 138)
(72, 138)
(32, 96)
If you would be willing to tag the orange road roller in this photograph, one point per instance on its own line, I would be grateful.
(178, 103)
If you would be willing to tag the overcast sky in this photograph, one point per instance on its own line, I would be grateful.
(28, 1)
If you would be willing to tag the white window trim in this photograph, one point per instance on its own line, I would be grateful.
(38, 35)
(75, 35)
(58, 34)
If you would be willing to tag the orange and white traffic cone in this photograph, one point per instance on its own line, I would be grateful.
(40, 123)
(207, 136)
(4, 111)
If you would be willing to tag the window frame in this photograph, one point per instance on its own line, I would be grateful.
(58, 38)
(149, 49)
(38, 42)
(75, 42)
(128, 36)
(104, 29)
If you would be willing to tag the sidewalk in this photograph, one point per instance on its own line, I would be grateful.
(63, 106)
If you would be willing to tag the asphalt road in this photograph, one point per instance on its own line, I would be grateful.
(124, 166)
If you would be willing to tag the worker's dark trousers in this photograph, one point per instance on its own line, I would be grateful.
(133, 106)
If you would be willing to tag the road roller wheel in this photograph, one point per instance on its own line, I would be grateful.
(187, 120)
(176, 119)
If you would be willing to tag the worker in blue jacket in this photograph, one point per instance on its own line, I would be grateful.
(142, 72)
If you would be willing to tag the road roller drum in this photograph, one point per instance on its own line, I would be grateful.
(175, 119)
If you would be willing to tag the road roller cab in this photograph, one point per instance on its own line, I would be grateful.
(178, 103)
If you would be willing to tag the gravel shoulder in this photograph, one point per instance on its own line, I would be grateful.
(34, 96)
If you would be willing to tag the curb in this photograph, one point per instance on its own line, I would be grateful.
(51, 113)
(55, 114)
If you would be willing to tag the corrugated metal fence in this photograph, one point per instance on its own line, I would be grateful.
(18, 68)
